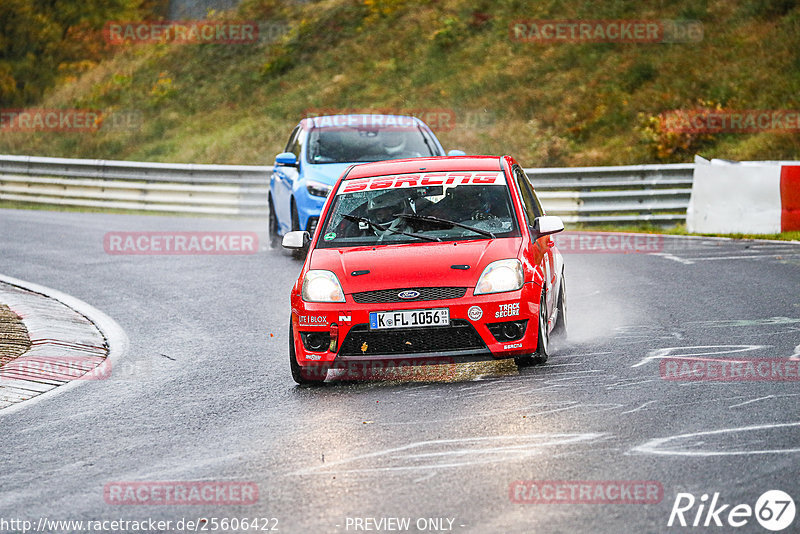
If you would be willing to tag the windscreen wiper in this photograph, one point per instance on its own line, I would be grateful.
(383, 228)
(426, 141)
(445, 223)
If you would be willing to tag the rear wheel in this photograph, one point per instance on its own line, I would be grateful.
(543, 343)
(302, 375)
(274, 237)
(560, 328)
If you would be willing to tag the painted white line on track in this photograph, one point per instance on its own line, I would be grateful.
(458, 452)
(745, 403)
(659, 445)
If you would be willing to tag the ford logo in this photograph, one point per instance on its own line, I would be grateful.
(409, 294)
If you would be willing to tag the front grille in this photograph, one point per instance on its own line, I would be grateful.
(425, 293)
(460, 335)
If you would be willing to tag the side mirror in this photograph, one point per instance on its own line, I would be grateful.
(296, 240)
(287, 159)
(456, 153)
(547, 224)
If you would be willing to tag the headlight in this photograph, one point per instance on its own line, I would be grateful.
(500, 276)
(322, 286)
(318, 189)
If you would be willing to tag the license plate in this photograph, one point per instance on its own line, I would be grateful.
(409, 318)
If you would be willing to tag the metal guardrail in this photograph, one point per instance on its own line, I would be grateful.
(131, 185)
(624, 194)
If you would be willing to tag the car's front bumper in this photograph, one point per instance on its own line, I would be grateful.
(308, 209)
(338, 333)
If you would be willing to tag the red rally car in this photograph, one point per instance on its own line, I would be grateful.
(429, 259)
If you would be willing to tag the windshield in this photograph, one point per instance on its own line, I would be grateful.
(420, 207)
(363, 138)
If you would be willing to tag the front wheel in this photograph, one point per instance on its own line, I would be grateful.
(543, 339)
(305, 376)
(560, 328)
(274, 236)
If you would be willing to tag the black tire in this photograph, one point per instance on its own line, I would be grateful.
(543, 343)
(560, 328)
(298, 254)
(304, 377)
(274, 236)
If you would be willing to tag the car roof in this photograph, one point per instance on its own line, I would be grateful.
(433, 164)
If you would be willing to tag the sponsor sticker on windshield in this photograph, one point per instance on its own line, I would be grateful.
(363, 121)
(403, 181)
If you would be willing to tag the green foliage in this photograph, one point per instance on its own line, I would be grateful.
(550, 104)
(668, 143)
(769, 9)
(44, 41)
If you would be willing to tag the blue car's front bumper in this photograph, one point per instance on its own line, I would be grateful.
(308, 209)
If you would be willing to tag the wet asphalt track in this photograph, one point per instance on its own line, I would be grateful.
(204, 393)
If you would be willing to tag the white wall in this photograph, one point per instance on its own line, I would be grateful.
(735, 198)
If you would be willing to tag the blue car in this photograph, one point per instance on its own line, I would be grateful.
(321, 148)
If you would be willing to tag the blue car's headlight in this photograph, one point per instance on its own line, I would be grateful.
(318, 189)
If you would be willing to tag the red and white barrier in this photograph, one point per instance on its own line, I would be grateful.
(751, 197)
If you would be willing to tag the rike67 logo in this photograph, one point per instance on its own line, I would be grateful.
(774, 510)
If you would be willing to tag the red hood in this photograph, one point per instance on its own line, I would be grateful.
(413, 265)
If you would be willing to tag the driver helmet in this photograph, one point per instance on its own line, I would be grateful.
(381, 208)
(393, 141)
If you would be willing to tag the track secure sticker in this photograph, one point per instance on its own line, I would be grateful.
(507, 310)
(475, 313)
(330, 236)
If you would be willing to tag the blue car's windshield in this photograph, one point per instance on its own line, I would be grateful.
(363, 138)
